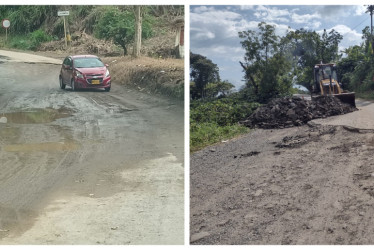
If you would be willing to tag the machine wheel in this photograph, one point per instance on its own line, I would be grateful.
(73, 85)
(62, 85)
(107, 89)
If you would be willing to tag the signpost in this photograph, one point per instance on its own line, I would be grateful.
(6, 24)
(63, 14)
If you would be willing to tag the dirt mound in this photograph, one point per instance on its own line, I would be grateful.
(295, 111)
(83, 43)
(164, 76)
(160, 46)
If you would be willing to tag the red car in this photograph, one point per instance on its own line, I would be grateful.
(84, 71)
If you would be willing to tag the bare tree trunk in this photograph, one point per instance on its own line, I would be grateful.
(138, 31)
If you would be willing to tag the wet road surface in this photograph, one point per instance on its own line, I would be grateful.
(87, 167)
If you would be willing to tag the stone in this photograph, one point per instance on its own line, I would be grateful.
(258, 193)
(199, 236)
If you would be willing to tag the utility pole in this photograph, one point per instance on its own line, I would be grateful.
(370, 9)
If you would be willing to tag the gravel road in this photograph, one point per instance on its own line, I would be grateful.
(86, 167)
(311, 184)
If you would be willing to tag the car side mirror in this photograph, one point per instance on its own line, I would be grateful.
(107, 65)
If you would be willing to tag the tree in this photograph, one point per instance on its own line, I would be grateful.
(329, 46)
(347, 66)
(119, 26)
(309, 49)
(202, 72)
(356, 69)
(218, 89)
(266, 63)
(138, 30)
(27, 18)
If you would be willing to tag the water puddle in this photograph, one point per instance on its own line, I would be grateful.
(11, 219)
(45, 147)
(33, 116)
(3, 58)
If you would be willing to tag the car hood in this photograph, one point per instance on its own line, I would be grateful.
(92, 71)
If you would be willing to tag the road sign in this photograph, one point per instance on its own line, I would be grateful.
(6, 23)
(63, 13)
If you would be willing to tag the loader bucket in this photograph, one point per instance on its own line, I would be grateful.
(348, 97)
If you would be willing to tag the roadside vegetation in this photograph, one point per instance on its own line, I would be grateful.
(32, 25)
(215, 120)
(271, 65)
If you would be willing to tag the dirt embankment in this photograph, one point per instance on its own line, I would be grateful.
(301, 185)
(163, 76)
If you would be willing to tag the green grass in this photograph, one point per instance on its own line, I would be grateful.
(213, 121)
(204, 134)
(15, 41)
(29, 41)
(365, 95)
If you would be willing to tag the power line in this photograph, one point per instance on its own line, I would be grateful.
(357, 25)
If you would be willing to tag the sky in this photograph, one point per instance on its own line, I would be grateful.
(214, 29)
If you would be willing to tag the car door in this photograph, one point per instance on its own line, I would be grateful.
(67, 70)
(64, 69)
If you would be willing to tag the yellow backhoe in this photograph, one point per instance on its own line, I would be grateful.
(326, 83)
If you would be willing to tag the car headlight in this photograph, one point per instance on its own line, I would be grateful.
(107, 73)
(79, 74)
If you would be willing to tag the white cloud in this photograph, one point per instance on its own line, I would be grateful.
(246, 7)
(204, 35)
(360, 9)
(351, 35)
(228, 50)
(316, 25)
(272, 14)
(217, 27)
(214, 25)
(306, 18)
(202, 9)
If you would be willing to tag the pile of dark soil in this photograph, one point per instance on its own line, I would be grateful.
(296, 111)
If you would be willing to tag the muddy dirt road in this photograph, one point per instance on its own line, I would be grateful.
(86, 167)
(312, 184)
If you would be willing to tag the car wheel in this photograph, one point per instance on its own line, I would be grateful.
(72, 85)
(62, 85)
(107, 89)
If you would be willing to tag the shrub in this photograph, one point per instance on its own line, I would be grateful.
(29, 42)
(204, 134)
(19, 42)
(223, 111)
(37, 37)
(119, 26)
(216, 120)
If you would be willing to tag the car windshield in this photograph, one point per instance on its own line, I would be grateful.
(88, 62)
